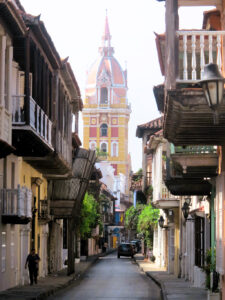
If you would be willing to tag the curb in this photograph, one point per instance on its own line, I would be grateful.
(156, 280)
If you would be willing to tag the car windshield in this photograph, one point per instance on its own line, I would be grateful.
(124, 247)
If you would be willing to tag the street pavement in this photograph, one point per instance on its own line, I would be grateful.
(173, 288)
(112, 279)
(48, 285)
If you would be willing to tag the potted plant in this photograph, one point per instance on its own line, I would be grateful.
(212, 277)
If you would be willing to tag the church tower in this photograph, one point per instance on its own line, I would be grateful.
(106, 111)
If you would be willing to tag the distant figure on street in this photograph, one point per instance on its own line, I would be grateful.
(32, 261)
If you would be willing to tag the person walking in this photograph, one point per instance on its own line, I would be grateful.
(32, 262)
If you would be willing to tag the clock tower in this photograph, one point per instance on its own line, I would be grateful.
(106, 110)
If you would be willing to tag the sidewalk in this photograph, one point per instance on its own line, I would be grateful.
(50, 284)
(172, 288)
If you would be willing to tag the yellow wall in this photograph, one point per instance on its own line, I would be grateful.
(26, 174)
(176, 241)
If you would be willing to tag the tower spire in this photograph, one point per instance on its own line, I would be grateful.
(106, 48)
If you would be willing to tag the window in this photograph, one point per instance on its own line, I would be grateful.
(104, 96)
(199, 242)
(104, 130)
(104, 147)
(3, 251)
(92, 146)
(114, 149)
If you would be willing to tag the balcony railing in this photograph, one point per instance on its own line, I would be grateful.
(43, 212)
(165, 194)
(39, 121)
(196, 49)
(16, 205)
(195, 150)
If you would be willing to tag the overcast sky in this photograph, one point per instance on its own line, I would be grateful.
(76, 28)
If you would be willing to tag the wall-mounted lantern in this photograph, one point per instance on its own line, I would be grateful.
(185, 209)
(161, 221)
(213, 87)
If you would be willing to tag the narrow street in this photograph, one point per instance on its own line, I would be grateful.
(112, 279)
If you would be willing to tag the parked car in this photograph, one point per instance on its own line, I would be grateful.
(137, 245)
(125, 249)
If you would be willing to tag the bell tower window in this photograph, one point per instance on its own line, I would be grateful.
(104, 147)
(104, 96)
(104, 130)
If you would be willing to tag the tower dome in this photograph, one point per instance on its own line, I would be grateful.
(106, 72)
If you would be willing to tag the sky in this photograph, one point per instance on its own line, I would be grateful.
(76, 28)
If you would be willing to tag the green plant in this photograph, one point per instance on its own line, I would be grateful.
(90, 216)
(149, 191)
(100, 153)
(210, 264)
(152, 258)
(137, 176)
(147, 221)
(131, 216)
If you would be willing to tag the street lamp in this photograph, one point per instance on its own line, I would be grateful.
(213, 87)
(185, 209)
(161, 221)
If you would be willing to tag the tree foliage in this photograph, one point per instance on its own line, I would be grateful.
(90, 216)
(131, 216)
(147, 220)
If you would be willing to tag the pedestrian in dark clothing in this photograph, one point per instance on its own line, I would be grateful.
(32, 261)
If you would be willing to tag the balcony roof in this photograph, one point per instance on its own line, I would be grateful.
(188, 187)
(189, 120)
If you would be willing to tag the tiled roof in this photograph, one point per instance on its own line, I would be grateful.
(152, 126)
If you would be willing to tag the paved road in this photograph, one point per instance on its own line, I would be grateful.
(112, 279)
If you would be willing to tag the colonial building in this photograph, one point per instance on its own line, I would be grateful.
(106, 110)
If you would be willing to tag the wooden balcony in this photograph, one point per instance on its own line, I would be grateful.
(66, 194)
(16, 205)
(189, 169)
(196, 161)
(5, 132)
(44, 212)
(32, 130)
(188, 120)
(165, 200)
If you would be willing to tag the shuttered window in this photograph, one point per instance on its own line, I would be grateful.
(199, 241)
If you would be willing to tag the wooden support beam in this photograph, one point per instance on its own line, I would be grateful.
(27, 79)
(171, 63)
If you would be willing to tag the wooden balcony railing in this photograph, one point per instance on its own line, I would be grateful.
(39, 121)
(196, 49)
(165, 194)
(16, 205)
(195, 150)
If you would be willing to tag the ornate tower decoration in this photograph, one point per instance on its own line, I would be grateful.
(106, 111)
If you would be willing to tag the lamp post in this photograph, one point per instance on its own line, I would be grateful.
(185, 209)
(213, 87)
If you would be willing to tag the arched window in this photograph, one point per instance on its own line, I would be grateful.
(103, 130)
(92, 145)
(114, 149)
(104, 96)
(104, 147)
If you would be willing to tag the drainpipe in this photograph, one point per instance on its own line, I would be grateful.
(212, 231)
(181, 238)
